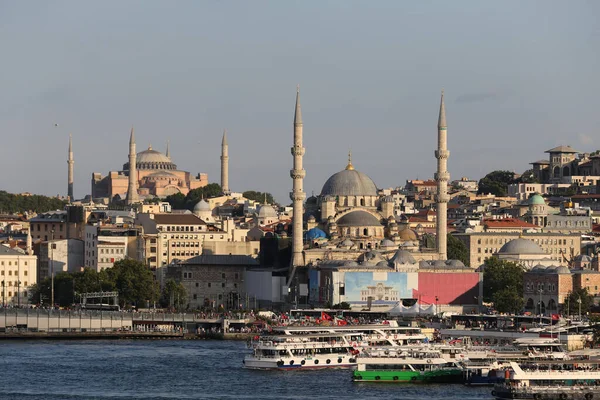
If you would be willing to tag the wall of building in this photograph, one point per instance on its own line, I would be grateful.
(18, 273)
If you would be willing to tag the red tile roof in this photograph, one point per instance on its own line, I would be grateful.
(507, 223)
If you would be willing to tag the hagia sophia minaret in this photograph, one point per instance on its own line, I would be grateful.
(225, 164)
(297, 195)
(70, 163)
(442, 177)
(132, 194)
(168, 152)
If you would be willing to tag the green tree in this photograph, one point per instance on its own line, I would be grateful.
(177, 201)
(500, 275)
(16, 203)
(508, 300)
(496, 182)
(195, 195)
(258, 196)
(173, 295)
(527, 177)
(457, 250)
(134, 282)
(573, 299)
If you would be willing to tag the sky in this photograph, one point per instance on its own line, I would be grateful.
(520, 77)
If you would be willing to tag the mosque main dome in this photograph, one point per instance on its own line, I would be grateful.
(151, 159)
(349, 182)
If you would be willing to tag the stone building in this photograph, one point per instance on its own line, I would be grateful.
(555, 246)
(18, 272)
(213, 281)
(156, 175)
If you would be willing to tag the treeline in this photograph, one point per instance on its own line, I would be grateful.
(17, 203)
(179, 201)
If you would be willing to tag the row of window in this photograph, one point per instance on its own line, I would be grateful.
(16, 283)
(557, 242)
(11, 263)
(112, 251)
(16, 273)
(39, 227)
(189, 275)
(107, 260)
(540, 286)
(189, 237)
(179, 228)
(23, 294)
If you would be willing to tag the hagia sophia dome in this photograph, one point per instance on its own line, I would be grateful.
(151, 159)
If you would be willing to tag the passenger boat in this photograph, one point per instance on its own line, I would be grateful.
(551, 380)
(405, 366)
(483, 372)
(311, 351)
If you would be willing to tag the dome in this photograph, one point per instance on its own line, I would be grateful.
(387, 199)
(382, 264)
(583, 258)
(152, 156)
(267, 211)
(455, 264)
(563, 270)
(347, 243)
(387, 243)
(349, 182)
(407, 234)
(358, 218)
(202, 205)
(403, 257)
(315, 233)
(521, 246)
(439, 264)
(536, 199)
(350, 264)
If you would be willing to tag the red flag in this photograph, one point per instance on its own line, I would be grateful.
(555, 317)
(341, 322)
(326, 316)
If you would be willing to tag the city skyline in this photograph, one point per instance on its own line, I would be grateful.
(517, 82)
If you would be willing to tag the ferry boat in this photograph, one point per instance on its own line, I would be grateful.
(551, 380)
(484, 372)
(293, 352)
(535, 349)
(405, 366)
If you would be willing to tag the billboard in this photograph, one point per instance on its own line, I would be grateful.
(381, 287)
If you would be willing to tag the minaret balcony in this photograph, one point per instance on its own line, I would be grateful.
(297, 151)
(300, 196)
(442, 154)
(297, 173)
(442, 176)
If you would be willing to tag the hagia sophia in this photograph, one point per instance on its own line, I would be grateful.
(155, 173)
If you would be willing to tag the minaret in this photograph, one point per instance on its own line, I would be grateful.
(442, 177)
(168, 153)
(225, 164)
(132, 194)
(70, 163)
(297, 195)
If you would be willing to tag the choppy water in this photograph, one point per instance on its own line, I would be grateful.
(183, 369)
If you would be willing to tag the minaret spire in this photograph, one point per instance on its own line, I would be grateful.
(168, 153)
(29, 243)
(350, 167)
(297, 195)
(70, 163)
(132, 194)
(442, 177)
(225, 164)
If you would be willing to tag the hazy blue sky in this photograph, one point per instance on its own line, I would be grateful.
(520, 77)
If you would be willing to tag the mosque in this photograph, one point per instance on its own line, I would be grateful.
(154, 175)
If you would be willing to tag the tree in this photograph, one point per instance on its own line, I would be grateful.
(496, 183)
(457, 250)
(527, 177)
(508, 300)
(134, 282)
(500, 275)
(173, 295)
(573, 299)
(258, 196)
(177, 201)
(17, 203)
(208, 191)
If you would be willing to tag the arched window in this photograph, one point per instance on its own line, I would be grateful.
(362, 202)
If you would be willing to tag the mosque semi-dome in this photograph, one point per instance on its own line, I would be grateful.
(521, 246)
(358, 218)
(349, 182)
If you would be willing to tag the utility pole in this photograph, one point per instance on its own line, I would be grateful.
(579, 301)
(541, 291)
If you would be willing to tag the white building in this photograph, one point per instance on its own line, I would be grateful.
(18, 272)
(107, 244)
(60, 255)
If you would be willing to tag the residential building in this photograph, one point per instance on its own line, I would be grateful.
(18, 272)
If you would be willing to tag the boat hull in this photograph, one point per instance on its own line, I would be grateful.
(548, 393)
(298, 364)
(403, 376)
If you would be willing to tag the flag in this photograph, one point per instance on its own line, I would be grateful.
(341, 322)
(555, 317)
(326, 316)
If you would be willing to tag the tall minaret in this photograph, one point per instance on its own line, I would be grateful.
(442, 177)
(225, 164)
(297, 195)
(132, 194)
(168, 153)
(29, 243)
(70, 163)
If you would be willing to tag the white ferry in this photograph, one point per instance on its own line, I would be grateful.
(306, 351)
(551, 380)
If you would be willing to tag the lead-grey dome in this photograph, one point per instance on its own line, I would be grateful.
(349, 182)
(403, 257)
(267, 211)
(202, 205)
(358, 218)
(521, 246)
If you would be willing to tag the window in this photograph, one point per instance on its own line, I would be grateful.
(220, 297)
(237, 276)
(223, 275)
(195, 296)
(197, 284)
(223, 284)
(9, 272)
(209, 284)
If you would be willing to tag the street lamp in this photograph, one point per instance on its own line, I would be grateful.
(52, 269)
(436, 304)
(579, 301)
(3, 295)
(19, 294)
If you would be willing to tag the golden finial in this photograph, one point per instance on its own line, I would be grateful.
(350, 167)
